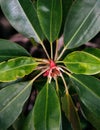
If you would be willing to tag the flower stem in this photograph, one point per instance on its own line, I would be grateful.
(38, 75)
(65, 85)
(51, 47)
(56, 51)
(62, 52)
(45, 50)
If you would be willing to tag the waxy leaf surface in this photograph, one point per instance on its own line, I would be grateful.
(9, 50)
(93, 51)
(80, 62)
(50, 17)
(23, 17)
(82, 23)
(70, 111)
(12, 99)
(88, 89)
(28, 123)
(16, 68)
(66, 4)
(47, 115)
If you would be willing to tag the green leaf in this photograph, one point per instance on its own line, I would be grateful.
(80, 62)
(9, 50)
(28, 123)
(16, 68)
(11, 128)
(23, 17)
(70, 111)
(82, 23)
(5, 84)
(66, 4)
(93, 51)
(88, 89)
(47, 114)
(12, 99)
(18, 124)
(66, 125)
(50, 17)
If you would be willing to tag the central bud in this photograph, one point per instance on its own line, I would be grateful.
(53, 70)
(52, 64)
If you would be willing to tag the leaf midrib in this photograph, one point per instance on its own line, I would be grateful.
(51, 21)
(29, 22)
(67, 44)
(84, 53)
(15, 97)
(46, 107)
(82, 63)
(16, 68)
(85, 87)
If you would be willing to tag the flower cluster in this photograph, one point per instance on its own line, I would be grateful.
(53, 71)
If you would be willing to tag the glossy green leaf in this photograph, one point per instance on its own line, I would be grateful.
(5, 84)
(93, 51)
(82, 23)
(50, 17)
(66, 125)
(28, 123)
(47, 115)
(88, 89)
(80, 62)
(66, 4)
(12, 99)
(9, 50)
(11, 128)
(16, 68)
(70, 111)
(18, 124)
(23, 17)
